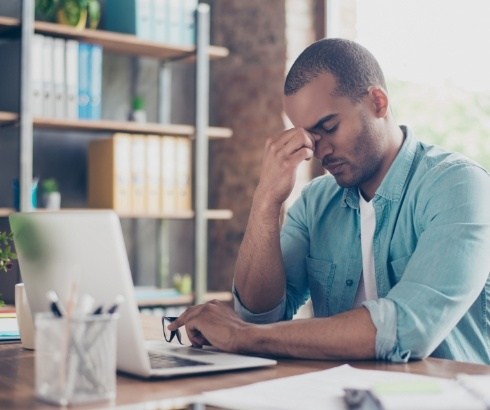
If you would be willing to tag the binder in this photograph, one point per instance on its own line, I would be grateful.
(138, 174)
(152, 146)
(59, 95)
(95, 84)
(189, 22)
(183, 175)
(109, 173)
(83, 80)
(71, 79)
(176, 21)
(130, 16)
(160, 21)
(48, 86)
(167, 174)
(37, 74)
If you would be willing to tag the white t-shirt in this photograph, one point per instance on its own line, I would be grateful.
(367, 285)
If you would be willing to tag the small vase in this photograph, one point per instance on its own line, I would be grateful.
(52, 200)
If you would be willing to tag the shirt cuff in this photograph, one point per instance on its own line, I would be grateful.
(383, 314)
(271, 316)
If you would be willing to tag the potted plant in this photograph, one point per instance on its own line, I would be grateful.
(76, 13)
(51, 193)
(6, 253)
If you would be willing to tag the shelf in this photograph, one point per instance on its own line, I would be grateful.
(9, 22)
(126, 126)
(8, 117)
(180, 300)
(211, 214)
(218, 214)
(5, 212)
(174, 215)
(125, 43)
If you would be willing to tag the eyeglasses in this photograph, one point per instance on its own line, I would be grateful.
(170, 334)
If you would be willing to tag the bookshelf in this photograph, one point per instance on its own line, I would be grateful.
(8, 117)
(200, 132)
(123, 126)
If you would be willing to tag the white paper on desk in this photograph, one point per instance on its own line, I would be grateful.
(324, 390)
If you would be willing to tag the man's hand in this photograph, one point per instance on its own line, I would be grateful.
(348, 335)
(282, 156)
(213, 323)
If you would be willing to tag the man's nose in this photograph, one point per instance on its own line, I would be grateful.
(323, 148)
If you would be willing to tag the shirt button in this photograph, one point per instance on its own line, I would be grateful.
(349, 282)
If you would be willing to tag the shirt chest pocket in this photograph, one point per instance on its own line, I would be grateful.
(321, 275)
(397, 267)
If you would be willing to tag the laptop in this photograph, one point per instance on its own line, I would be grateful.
(54, 249)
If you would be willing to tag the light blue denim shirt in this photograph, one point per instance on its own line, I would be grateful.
(431, 249)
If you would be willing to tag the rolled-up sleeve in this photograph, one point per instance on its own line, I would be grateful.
(271, 316)
(383, 315)
(447, 271)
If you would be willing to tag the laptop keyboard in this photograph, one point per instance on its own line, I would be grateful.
(164, 361)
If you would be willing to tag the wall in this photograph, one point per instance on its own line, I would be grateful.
(246, 96)
(264, 38)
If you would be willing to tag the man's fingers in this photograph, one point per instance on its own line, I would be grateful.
(291, 141)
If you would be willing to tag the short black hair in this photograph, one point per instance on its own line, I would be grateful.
(353, 66)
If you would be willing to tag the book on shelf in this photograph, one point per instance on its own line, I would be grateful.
(168, 174)
(48, 83)
(162, 21)
(83, 80)
(89, 81)
(71, 78)
(59, 94)
(37, 74)
(160, 18)
(153, 181)
(9, 328)
(130, 16)
(140, 174)
(95, 82)
(54, 77)
(109, 173)
(189, 22)
(183, 174)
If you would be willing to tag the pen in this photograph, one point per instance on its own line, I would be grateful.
(55, 304)
(115, 306)
(97, 311)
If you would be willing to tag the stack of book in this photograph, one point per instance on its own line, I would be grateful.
(140, 174)
(66, 78)
(161, 21)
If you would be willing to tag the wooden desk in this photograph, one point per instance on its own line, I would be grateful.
(17, 376)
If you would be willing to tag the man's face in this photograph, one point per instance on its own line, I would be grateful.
(350, 146)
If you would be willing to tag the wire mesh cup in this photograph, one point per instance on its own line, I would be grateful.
(75, 359)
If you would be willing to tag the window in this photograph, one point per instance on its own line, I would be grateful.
(435, 57)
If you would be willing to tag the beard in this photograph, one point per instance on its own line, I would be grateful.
(362, 163)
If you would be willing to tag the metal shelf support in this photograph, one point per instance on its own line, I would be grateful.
(26, 142)
(201, 152)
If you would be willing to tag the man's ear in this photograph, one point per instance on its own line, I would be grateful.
(379, 99)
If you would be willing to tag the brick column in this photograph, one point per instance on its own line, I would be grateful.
(246, 95)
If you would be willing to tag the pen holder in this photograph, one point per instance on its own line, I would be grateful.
(75, 360)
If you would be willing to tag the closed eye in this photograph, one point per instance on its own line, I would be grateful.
(330, 130)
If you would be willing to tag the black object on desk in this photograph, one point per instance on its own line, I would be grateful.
(358, 399)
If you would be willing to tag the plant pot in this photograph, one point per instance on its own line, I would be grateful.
(79, 21)
(52, 200)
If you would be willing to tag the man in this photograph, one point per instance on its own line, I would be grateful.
(392, 245)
